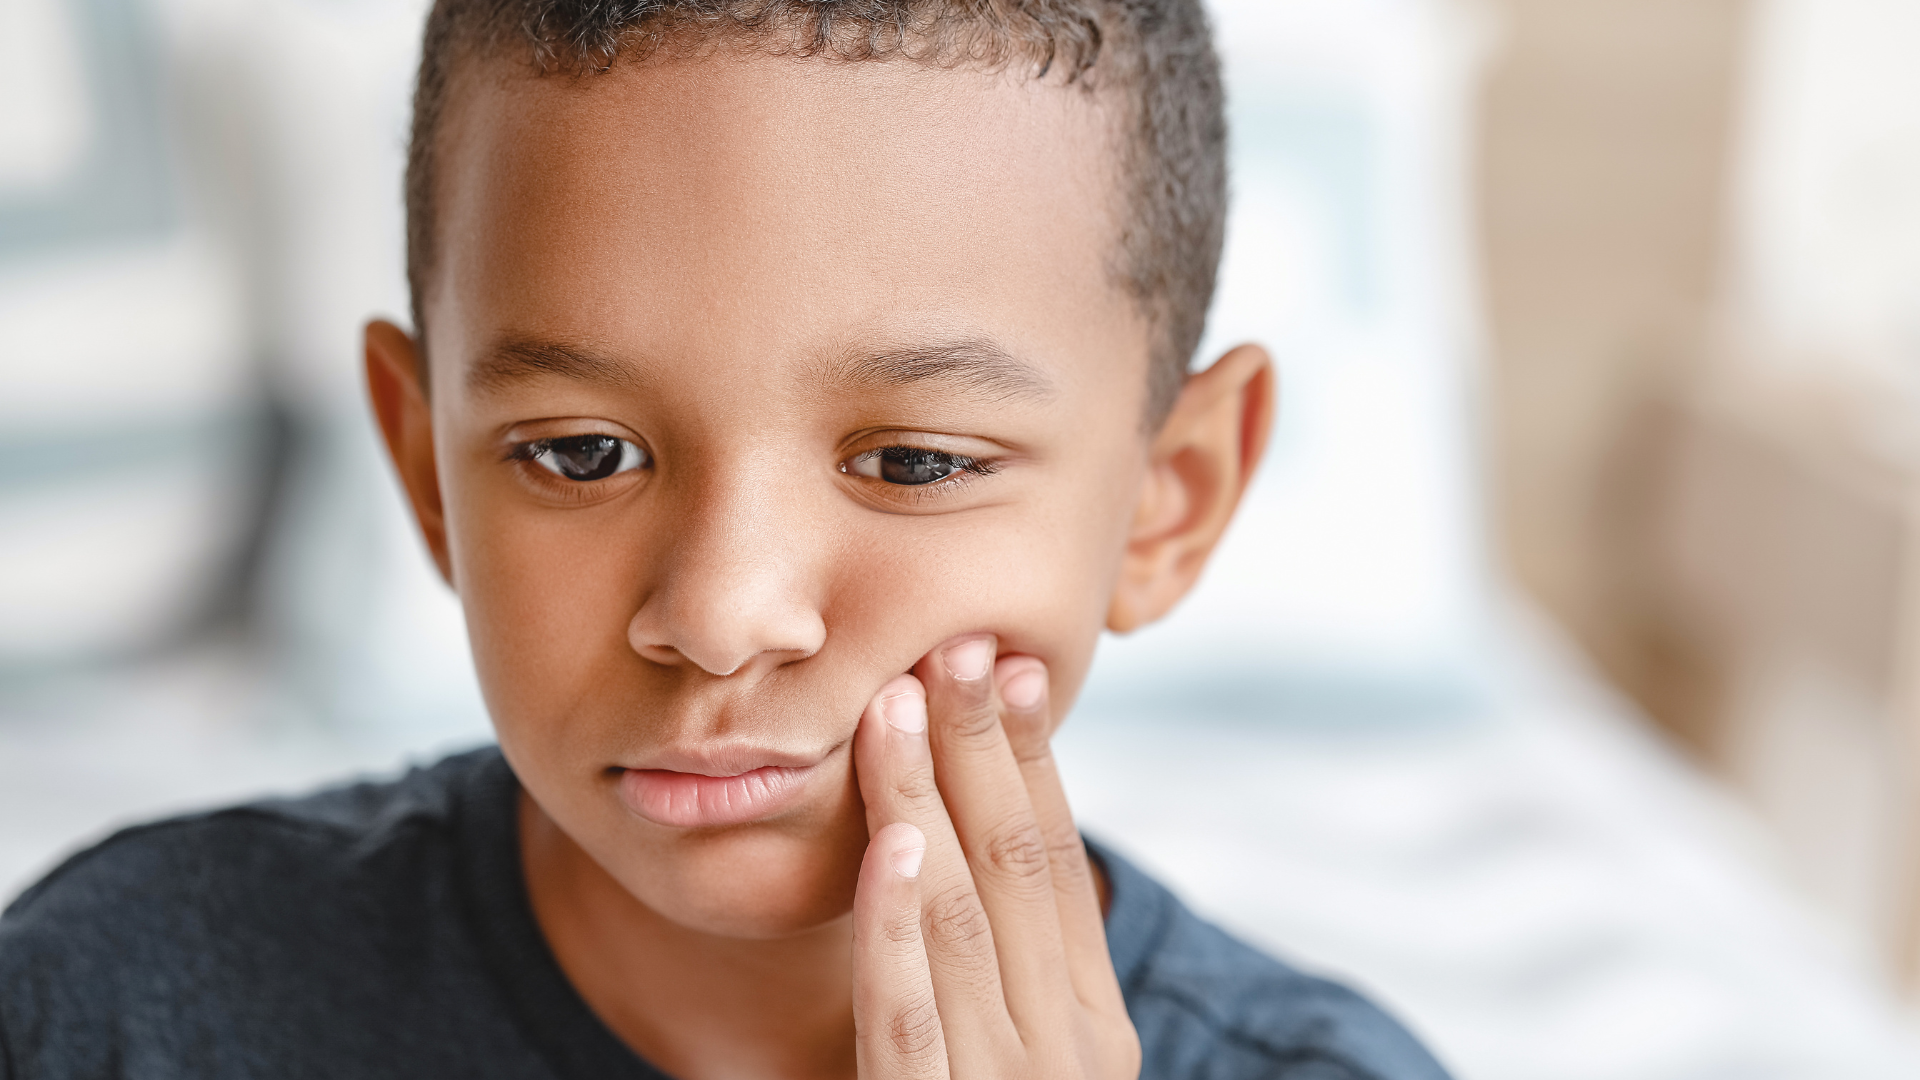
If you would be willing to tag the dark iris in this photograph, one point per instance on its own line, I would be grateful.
(907, 465)
(585, 457)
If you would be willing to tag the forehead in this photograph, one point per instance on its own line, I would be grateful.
(748, 205)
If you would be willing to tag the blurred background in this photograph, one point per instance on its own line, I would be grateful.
(1560, 685)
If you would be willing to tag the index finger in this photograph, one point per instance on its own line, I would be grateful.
(896, 1019)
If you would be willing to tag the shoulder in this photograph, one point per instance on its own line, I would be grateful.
(233, 910)
(273, 845)
(1207, 1005)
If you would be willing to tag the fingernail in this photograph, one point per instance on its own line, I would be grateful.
(906, 712)
(906, 861)
(969, 660)
(1024, 690)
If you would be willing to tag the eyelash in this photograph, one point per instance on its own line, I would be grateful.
(964, 470)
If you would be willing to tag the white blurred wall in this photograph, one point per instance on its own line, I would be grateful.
(1825, 259)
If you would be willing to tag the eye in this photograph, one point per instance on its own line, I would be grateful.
(912, 466)
(584, 458)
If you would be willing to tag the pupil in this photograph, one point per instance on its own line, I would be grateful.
(908, 466)
(586, 457)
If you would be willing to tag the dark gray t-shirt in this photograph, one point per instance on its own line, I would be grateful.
(383, 931)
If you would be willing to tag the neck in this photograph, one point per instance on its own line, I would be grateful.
(693, 1004)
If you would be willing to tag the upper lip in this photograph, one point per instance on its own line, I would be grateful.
(730, 760)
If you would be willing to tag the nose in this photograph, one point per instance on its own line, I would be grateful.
(734, 591)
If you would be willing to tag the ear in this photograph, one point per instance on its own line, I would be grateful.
(406, 419)
(1197, 469)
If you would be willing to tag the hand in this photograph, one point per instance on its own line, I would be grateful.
(979, 948)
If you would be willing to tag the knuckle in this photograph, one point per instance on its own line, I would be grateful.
(913, 1029)
(1018, 852)
(977, 720)
(1067, 854)
(955, 922)
(901, 931)
(1031, 748)
(915, 790)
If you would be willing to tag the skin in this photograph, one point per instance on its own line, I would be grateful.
(723, 261)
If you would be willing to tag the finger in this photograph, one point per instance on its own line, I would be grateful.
(986, 797)
(895, 769)
(896, 1023)
(1028, 720)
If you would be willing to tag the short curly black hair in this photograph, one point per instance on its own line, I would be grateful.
(1156, 54)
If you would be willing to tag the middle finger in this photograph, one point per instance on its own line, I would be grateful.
(986, 796)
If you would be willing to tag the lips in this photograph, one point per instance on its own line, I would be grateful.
(690, 800)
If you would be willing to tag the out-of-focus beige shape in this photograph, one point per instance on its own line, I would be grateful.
(1727, 517)
(1605, 140)
(1783, 542)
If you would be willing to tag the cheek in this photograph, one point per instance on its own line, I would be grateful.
(1038, 577)
(547, 599)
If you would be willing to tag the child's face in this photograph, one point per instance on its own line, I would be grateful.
(722, 286)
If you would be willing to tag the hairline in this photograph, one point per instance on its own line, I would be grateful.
(1131, 144)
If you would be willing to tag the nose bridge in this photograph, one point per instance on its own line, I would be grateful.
(735, 585)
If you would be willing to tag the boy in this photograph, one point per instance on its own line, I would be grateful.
(799, 387)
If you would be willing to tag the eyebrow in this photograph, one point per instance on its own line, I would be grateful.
(974, 364)
(518, 360)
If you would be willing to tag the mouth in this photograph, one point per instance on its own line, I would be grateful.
(691, 800)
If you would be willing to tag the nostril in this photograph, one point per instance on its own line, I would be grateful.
(660, 654)
(715, 658)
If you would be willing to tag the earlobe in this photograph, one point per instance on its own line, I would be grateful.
(406, 421)
(1197, 470)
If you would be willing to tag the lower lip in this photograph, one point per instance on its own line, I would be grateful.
(692, 801)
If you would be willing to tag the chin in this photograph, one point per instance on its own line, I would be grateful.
(760, 883)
